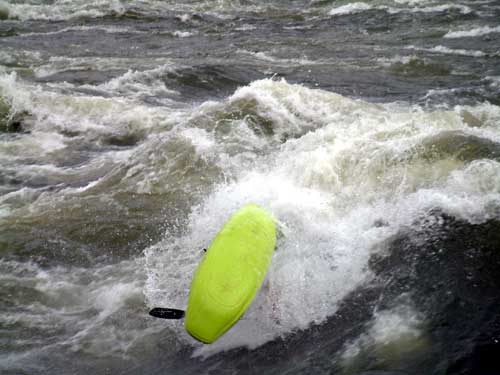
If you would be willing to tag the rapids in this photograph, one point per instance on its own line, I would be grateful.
(130, 131)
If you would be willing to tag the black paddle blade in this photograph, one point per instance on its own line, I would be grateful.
(160, 312)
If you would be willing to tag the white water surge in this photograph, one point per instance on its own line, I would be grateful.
(352, 175)
(130, 131)
(341, 176)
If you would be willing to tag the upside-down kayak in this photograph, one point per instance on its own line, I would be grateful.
(231, 273)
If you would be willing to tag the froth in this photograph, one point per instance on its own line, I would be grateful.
(309, 264)
(473, 33)
(450, 51)
(65, 10)
(339, 167)
(398, 327)
(349, 9)
(14, 94)
(52, 111)
(137, 84)
(79, 304)
(293, 109)
(414, 7)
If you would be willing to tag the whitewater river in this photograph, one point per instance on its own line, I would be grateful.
(130, 131)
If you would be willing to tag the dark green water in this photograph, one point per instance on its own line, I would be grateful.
(131, 130)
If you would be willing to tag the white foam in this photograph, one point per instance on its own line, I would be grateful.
(185, 17)
(474, 192)
(4, 211)
(420, 7)
(480, 31)
(82, 300)
(266, 56)
(202, 140)
(56, 64)
(415, 7)
(345, 166)
(293, 111)
(15, 55)
(413, 2)
(494, 81)
(246, 27)
(291, 276)
(450, 51)
(14, 94)
(444, 8)
(387, 62)
(65, 10)
(93, 119)
(331, 168)
(350, 8)
(183, 34)
(106, 29)
(397, 326)
(463, 52)
(53, 111)
(138, 84)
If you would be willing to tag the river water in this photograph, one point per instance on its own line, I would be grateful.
(131, 130)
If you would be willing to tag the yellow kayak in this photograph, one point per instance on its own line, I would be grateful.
(231, 273)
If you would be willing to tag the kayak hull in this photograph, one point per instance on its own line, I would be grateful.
(231, 273)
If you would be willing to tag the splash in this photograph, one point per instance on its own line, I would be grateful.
(345, 167)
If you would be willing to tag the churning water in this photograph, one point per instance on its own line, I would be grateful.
(131, 130)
